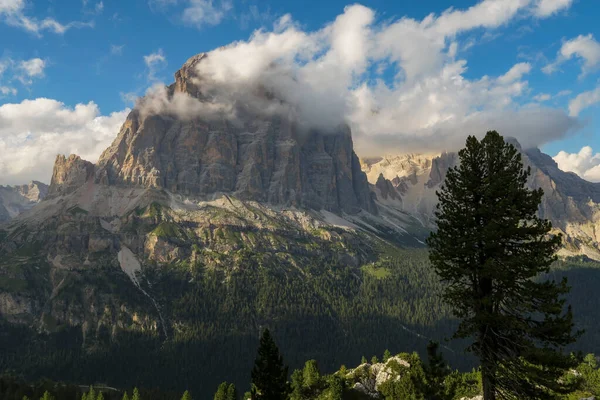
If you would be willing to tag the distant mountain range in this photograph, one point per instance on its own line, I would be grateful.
(409, 182)
(16, 199)
(196, 229)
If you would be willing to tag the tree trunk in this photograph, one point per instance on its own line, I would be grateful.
(489, 386)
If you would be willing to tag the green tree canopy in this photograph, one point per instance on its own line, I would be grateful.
(489, 247)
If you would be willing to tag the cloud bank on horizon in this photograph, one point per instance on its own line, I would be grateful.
(402, 85)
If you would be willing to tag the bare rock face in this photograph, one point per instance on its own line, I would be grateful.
(387, 189)
(266, 158)
(69, 174)
(16, 199)
(439, 167)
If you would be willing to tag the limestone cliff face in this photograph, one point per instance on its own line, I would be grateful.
(256, 157)
(69, 174)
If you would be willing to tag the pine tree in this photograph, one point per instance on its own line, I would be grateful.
(125, 396)
(231, 392)
(489, 247)
(100, 396)
(374, 360)
(311, 375)
(91, 394)
(136, 394)
(186, 396)
(386, 355)
(47, 396)
(269, 375)
(436, 372)
(363, 360)
(221, 393)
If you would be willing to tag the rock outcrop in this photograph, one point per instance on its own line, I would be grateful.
(69, 174)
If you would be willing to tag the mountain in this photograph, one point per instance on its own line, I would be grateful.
(16, 199)
(570, 202)
(203, 223)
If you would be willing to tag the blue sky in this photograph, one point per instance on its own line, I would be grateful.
(90, 58)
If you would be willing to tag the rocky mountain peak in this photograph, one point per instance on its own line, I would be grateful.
(186, 78)
(69, 174)
(262, 157)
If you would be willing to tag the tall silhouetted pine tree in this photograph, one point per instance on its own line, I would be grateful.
(269, 375)
(436, 370)
(489, 248)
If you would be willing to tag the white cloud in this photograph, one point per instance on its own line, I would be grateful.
(546, 8)
(5, 91)
(154, 62)
(542, 97)
(34, 131)
(325, 77)
(584, 163)
(204, 12)
(30, 69)
(584, 47)
(515, 73)
(12, 12)
(116, 50)
(34, 67)
(197, 13)
(583, 101)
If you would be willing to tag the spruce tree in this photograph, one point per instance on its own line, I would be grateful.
(136, 394)
(186, 396)
(47, 396)
(386, 355)
(100, 396)
(269, 375)
(489, 248)
(231, 392)
(436, 372)
(221, 393)
(125, 396)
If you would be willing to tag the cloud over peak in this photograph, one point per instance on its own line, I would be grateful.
(399, 84)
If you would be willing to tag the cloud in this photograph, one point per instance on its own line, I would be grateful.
(197, 13)
(5, 91)
(515, 73)
(542, 97)
(546, 8)
(584, 47)
(34, 67)
(12, 12)
(585, 163)
(30, 69)
(116, 50)
(34, 131)
(583, 101)
(203, 12)
(341, 73)
(24, 71)
(154, 62)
